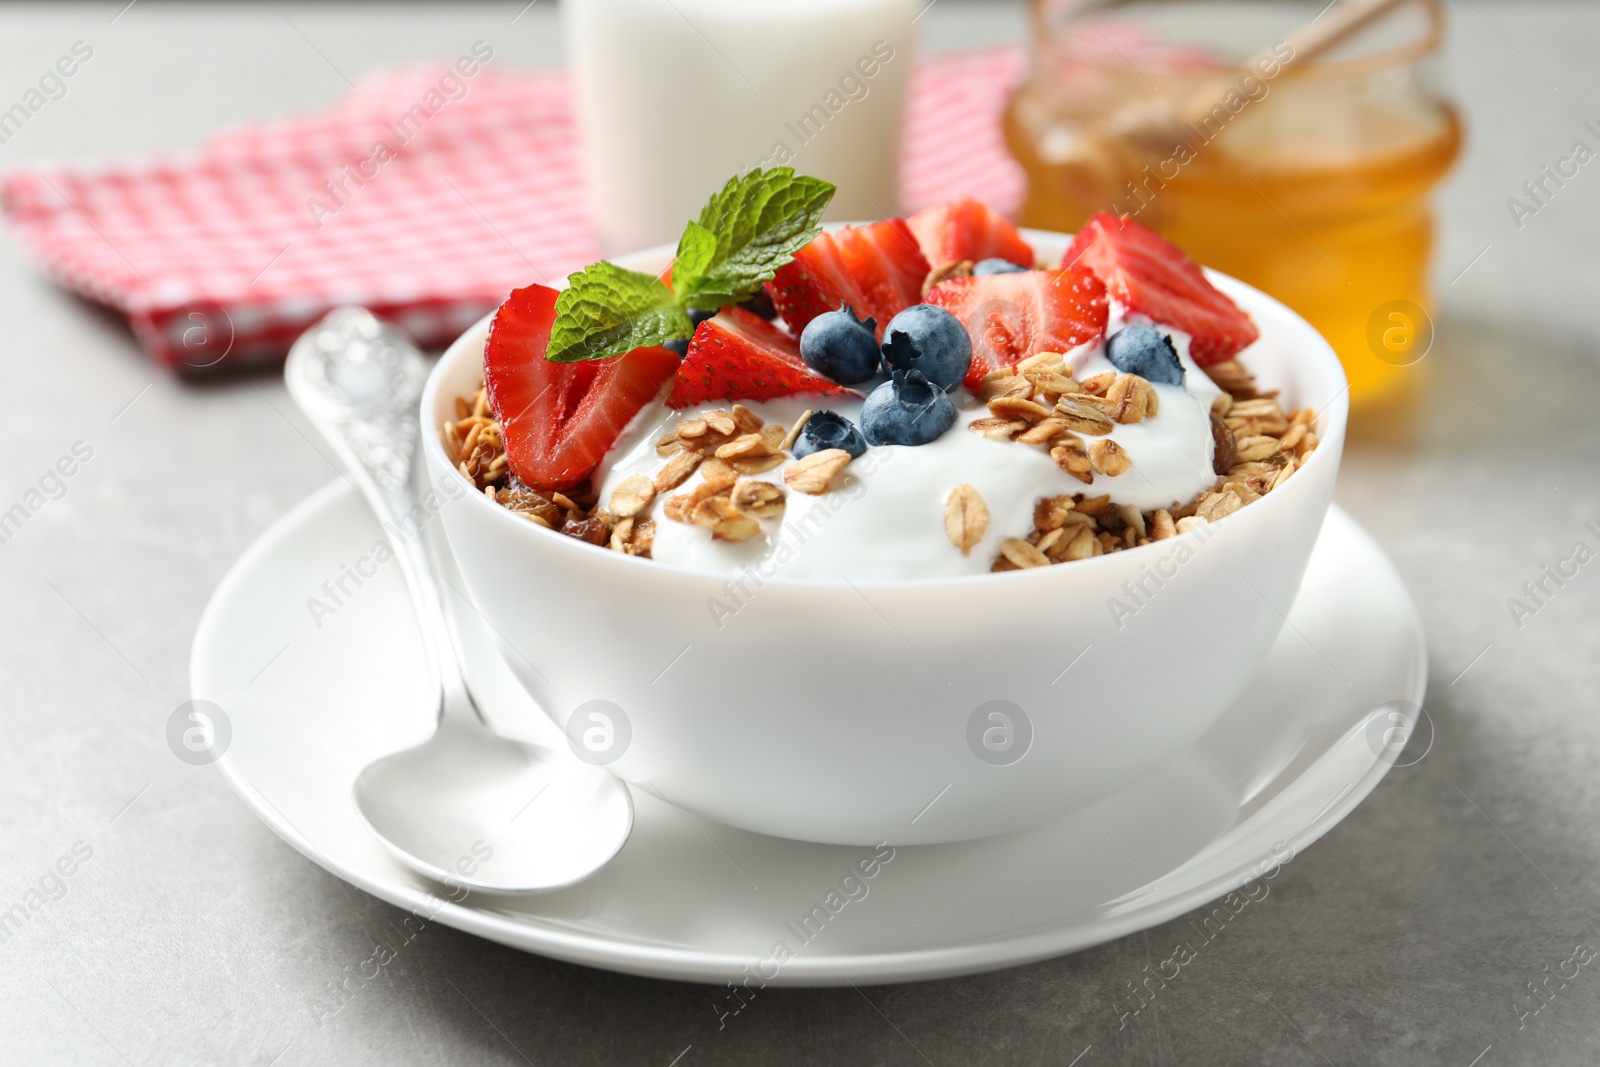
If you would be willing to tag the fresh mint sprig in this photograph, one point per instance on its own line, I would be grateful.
(746, 232)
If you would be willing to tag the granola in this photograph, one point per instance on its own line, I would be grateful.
(472, 441)
(711, 462)
(1258, 446)
(966, 517)
(814, 474)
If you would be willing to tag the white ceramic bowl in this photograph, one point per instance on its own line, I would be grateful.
(857, 713)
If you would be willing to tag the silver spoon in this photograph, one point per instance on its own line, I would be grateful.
(466, 807)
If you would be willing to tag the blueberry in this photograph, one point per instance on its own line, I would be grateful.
(680, 346)
(841, 346)
(931, 340)
(907, 410)
(761, 304)
(696, 316)
(1147, 352)
(828, 429)
(997, 266)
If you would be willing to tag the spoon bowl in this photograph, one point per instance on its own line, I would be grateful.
(467, 807)
(501, 816)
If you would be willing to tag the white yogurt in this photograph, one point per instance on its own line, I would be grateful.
(885, 517)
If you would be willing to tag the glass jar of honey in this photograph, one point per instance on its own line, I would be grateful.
(1308, 178)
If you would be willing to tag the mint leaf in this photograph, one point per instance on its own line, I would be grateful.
(607, 310)
(746, 232)
(758, 222)
(697, 249)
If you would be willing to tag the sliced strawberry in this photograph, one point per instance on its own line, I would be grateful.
(1149, 274)
(558, 420)
(737, 355)
(1013, 316)
(878, 270)
(968, 229)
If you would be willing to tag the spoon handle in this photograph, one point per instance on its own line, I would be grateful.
(358, 380)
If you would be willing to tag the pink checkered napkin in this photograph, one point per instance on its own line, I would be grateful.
(228, 251)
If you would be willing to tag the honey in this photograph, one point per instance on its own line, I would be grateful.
(1312, 186)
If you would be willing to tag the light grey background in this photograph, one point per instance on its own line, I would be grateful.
(195, 936)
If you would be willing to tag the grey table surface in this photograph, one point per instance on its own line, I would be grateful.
(193, 935)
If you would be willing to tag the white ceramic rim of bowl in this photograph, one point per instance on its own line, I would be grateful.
(1325, 363)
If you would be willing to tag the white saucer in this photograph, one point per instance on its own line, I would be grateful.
(690, 899)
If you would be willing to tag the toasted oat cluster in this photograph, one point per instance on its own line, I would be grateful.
(1258, 446)
(472, 441)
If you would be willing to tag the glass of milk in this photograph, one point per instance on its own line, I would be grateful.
(676, 96)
